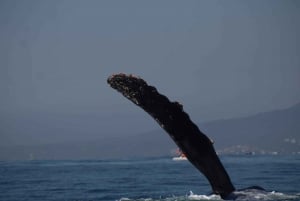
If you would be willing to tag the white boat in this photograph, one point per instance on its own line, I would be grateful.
(179, 158)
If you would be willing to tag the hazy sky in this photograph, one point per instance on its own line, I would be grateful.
(220, 59)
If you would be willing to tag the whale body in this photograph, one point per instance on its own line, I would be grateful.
(197, 147)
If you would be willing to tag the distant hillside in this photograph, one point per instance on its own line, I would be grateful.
(276, 131)
(150, 144)
(273, 131)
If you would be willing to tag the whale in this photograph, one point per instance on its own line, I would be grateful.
(197, 147)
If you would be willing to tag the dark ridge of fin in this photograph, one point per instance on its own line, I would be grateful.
(170, 116)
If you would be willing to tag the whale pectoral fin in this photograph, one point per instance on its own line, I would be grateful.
(170, 116)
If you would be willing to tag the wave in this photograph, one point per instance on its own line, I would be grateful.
(241, 196)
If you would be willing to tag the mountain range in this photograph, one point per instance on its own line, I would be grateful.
(269, 132)
(272, 132)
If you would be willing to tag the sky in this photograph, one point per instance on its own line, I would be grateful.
(220, 59)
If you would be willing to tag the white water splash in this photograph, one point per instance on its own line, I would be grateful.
(253, 195)
(193, 196)
(246, 195)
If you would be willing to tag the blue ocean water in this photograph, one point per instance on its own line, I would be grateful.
(143, 179)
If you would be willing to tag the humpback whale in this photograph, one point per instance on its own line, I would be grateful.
(197, 147)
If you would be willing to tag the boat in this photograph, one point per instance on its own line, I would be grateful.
(181, 156)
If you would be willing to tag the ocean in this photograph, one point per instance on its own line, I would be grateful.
(144, 179)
